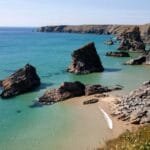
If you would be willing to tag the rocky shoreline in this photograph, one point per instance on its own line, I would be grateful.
(135, 107)
(99, 29)
(69, 90)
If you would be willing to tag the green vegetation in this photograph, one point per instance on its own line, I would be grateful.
(136, 140)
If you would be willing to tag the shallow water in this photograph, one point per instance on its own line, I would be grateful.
(59, 126)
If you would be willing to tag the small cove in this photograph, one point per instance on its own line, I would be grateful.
(64, 125)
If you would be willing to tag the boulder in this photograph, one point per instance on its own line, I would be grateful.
(86, 60)
(131, 40)
(103, 95)
(23, 80)
(65, 91)
(99, 89)
(118, 54)
(135, 107)
(91, 101)
(96, 89)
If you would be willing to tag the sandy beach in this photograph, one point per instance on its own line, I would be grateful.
(95, 122)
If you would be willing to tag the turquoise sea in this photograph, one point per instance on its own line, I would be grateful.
(58, 126)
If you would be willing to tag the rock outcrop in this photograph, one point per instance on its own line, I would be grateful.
(65, 91)
(85, 60)
(131, 40)
(118, 54)
(144, 59)
(70, 90)
(136, 61)
(96, 89)
(135, 107)
(23, 80)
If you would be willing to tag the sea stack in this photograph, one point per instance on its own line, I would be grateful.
(131, 40)
(23, 80)
(86, 60)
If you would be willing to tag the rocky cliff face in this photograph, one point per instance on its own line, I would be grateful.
(131, 40)
(23, 80)
(99, 29)
(85, 60)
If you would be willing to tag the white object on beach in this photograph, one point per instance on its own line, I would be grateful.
(107, 118)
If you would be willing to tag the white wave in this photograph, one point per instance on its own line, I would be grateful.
(107, 118)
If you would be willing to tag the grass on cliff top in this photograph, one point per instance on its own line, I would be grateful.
(136, 140)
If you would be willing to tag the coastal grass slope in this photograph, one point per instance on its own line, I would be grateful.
(131, 140)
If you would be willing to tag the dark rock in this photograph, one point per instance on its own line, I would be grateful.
(86, 60)
(135, 107)
(131, 40)
(118, 54)
(91, 101)
(99, 89)
(96, 89)
(137, 61)
(101, 95)
(65, 91)
(23, 80)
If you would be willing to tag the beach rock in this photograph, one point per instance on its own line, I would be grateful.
(86, 60)
(131, 40)
(96, 89)
(101, 95)
(91, 101)
(99, 89)
(136, 61)
(118, 54)
(23, 80)
(65, 91)
(135, 107)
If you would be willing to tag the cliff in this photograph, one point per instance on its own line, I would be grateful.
(99, 29)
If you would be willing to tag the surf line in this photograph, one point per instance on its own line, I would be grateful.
(107, 118)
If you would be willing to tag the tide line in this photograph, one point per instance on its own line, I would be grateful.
(107, 118)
